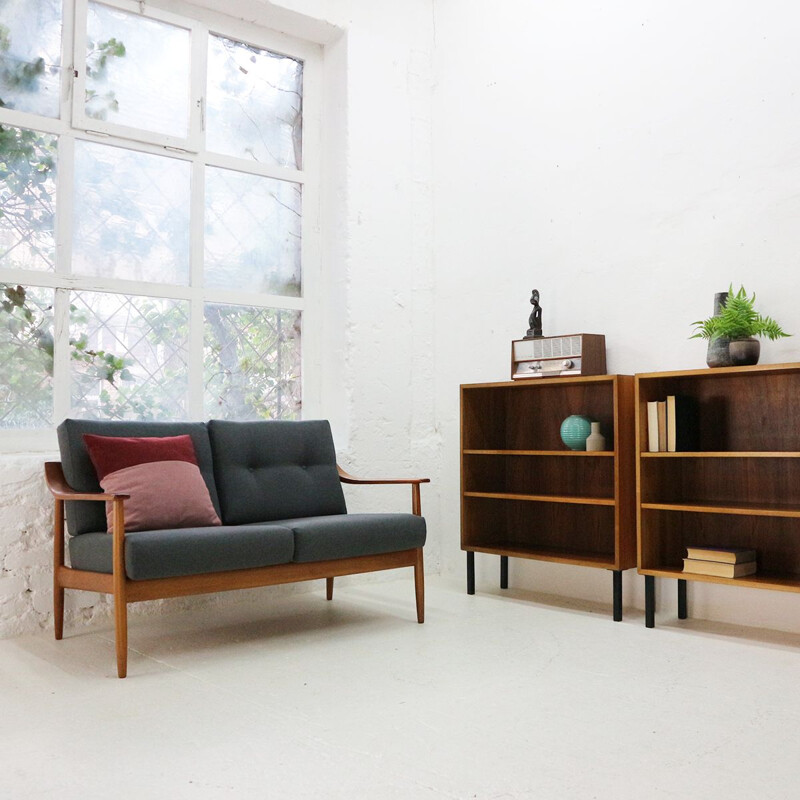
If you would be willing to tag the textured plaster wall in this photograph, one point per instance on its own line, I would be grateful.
(628, 159)
(377, 276)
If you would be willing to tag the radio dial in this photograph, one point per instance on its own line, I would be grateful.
(567, 364)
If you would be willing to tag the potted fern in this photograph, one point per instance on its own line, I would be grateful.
(739, 323)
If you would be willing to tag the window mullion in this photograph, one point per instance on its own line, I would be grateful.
(78, 62)
(198, 87)
(196, 223)
(64, 204)
(67, 59)
(61, 356)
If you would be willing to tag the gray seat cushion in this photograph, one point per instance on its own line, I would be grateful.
(350, 535)
(84, 516)
(186, 551)
(274, 470)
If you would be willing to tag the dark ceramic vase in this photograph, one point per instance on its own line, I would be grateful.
(718, 354)
(744, 352)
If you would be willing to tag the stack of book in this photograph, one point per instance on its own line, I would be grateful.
(672, 424)
(724, 562)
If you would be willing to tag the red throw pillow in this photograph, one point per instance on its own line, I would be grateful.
(110, 453)
(161, 476)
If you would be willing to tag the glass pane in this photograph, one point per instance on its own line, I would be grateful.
(137, 71)
(254, 103)
(252, 233)
(131, 217)
(129, 356)
(30, 55)
(252, 363)
(27, 199)
(26, 356)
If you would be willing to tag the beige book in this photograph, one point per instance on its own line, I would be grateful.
(728, 555)
(718, 569)
(652, 426)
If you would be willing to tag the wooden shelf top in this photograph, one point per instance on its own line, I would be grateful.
(720, 372)
(744, 509)
(545, 498)
(724, 454)
(759, 580)
(591, 454)
(585, 559)
(564, 380)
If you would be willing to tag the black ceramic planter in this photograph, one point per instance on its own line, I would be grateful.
(744, 352)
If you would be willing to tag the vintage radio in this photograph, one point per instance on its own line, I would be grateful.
(552, 356)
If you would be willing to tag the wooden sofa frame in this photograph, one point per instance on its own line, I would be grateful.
(127, 591)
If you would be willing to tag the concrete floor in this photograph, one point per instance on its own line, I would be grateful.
(512, 695)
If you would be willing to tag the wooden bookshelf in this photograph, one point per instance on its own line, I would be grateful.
(739, 488)
(524, 494)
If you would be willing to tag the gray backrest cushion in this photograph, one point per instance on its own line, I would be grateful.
(90, 517)
(275, 470)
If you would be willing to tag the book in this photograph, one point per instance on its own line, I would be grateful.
(720, 570)
(662, 426)
(682, 428)
(726, 555)
(652, 426)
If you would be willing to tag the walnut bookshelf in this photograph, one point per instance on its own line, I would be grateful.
(739, 488)
(525, 495)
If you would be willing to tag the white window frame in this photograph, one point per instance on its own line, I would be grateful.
(73, 125)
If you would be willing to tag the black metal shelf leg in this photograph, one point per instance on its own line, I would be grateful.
(504, 572)
(470, 572)
(617, 573)
(650, 601)
(682, 607)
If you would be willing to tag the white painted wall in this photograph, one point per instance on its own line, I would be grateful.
(629, 159)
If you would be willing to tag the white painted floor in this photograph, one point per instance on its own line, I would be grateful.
(511, 695)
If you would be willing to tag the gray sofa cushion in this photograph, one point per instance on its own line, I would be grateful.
(274, 470)
(84, 517)
(350, 535)
(186, 551)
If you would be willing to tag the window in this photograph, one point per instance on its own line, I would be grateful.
(156, 215)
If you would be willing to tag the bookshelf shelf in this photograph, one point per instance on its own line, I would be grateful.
(525, 495)
(546, 498)
(761, 580)
(748, 454)
(570, 453)
(744, 509)
(561, 556)
(741, 488)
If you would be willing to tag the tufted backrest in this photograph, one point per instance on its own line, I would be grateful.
(274, 470)
(90, 517)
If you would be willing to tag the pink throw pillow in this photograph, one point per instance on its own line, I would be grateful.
(163, 494)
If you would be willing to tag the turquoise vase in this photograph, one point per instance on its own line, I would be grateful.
(574, 431)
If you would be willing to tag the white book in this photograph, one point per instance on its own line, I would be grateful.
(652, 426)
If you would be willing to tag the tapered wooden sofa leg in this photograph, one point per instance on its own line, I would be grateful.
(120, 589)
(58, 610)
(58, 562)
(419, 586)
(121, 635)
(329, 588)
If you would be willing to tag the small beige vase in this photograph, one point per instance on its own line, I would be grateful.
(595, 440)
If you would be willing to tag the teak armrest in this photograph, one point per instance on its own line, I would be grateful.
(416, 504)
(61, 490)
(345, 477)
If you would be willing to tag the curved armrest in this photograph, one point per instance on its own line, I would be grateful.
(61, 490)
(416, 503)
(346, 477)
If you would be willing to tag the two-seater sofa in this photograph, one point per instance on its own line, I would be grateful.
(276, 488)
